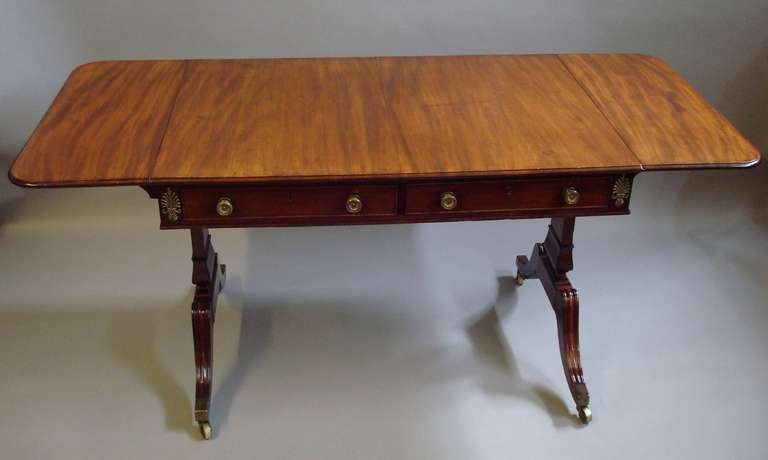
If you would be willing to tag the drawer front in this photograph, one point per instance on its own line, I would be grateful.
(233, 203)
(301, 204)
(579, 193)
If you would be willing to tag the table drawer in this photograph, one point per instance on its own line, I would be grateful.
(265, 202)
(489, 196)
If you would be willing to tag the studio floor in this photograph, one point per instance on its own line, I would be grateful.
(383, 342)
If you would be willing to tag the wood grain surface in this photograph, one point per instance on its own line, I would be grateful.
(280, 118)
(662, 118)
(481, 114)
(104, 127)
(266, 120)
(363, 117)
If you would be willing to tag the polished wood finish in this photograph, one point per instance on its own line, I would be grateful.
(103, 128)
(392, 202)
(665, 122)
(296, 201)
(511, 195)
(266, 120)
(208, 277)
(550, 262)
(492, 114)
(344, 141)
(393, 117)
(270, 118)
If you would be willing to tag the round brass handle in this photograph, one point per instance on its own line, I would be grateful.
(571, 196)
(354, 204)
(224, 207)
(448, 201)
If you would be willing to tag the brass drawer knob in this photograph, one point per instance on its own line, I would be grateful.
(224, 207)
(448, 201)
(354, 204)
(571, 196)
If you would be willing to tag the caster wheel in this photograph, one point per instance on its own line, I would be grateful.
(205, 430)
(585, 415)
(519, 280)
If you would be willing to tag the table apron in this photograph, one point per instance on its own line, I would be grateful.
(389, 202)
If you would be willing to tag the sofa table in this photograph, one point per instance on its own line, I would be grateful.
(348, 141)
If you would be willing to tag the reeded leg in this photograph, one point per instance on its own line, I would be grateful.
(549, 262)
(567, 312)
(202, 331)
(208, 277)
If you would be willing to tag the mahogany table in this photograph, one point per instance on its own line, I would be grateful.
(346, 141)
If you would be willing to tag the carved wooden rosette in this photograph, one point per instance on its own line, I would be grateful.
(170, 205)
(621, 190)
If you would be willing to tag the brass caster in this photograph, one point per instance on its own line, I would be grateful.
(585, 415)
(205, 430)
(519, 279)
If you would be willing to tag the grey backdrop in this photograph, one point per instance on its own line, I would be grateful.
(386, 341)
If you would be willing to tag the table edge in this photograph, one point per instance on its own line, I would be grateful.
(151, 180)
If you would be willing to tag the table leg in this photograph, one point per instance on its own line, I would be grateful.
(549, 262)
(208, 277)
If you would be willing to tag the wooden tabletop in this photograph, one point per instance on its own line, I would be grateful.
(201, 121)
